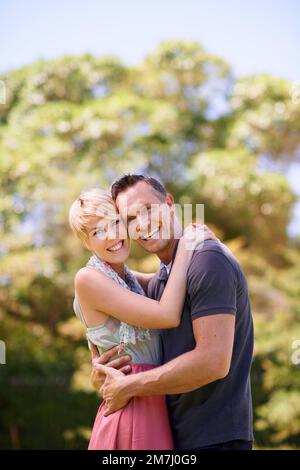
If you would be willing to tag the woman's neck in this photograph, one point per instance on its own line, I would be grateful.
(119, 268)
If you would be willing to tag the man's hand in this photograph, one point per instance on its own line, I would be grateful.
(121, 363)
(113, 389)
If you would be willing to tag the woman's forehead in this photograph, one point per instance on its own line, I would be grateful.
(95, 221)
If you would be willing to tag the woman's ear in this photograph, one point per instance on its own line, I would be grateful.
(86, 245)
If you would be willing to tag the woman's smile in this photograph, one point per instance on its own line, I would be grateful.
(116, 247)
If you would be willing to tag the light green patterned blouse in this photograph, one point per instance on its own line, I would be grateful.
(142, 344)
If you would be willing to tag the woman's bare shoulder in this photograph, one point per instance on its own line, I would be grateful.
(85, 276)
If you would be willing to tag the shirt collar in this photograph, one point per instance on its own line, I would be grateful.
(164, 273)
(167, 266)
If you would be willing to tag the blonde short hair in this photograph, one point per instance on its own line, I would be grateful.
(91, 203)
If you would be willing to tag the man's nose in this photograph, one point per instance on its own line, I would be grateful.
(141, 224)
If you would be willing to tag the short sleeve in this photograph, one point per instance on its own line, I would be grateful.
(211, 285)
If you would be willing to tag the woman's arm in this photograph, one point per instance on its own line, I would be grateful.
(143, 278)
(100, 293)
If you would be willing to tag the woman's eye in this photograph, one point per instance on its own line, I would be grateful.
(100, 232)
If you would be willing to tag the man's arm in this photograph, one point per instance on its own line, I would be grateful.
(208, 361)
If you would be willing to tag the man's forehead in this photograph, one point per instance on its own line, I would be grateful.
(132, 206)
(132, 202)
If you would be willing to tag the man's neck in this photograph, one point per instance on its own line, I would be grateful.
(166, 254)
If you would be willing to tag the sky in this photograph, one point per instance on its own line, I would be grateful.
(253, 36)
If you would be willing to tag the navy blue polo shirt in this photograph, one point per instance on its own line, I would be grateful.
(222, 410)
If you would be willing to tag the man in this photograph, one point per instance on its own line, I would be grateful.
(207, 359)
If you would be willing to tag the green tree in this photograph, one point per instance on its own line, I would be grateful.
(78, 122)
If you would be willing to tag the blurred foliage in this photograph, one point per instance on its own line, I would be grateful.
(78, 122)
(266, 117)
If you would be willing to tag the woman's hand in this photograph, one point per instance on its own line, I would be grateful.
(194, 235)
(208, 233)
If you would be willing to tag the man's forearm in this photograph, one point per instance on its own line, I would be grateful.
(185, 373)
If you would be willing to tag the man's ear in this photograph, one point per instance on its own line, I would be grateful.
(170, 199)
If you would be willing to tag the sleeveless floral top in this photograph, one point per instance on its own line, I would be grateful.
(142, 344)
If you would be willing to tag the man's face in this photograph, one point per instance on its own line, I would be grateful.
(150, 216)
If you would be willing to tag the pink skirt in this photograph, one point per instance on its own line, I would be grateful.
(143, 424)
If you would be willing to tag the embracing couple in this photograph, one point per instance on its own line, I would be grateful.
(171, 351)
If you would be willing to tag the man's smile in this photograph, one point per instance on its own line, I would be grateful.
(152, 234)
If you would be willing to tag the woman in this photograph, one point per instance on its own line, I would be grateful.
(113, 306)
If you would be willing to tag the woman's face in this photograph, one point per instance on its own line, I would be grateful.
(108, 238)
